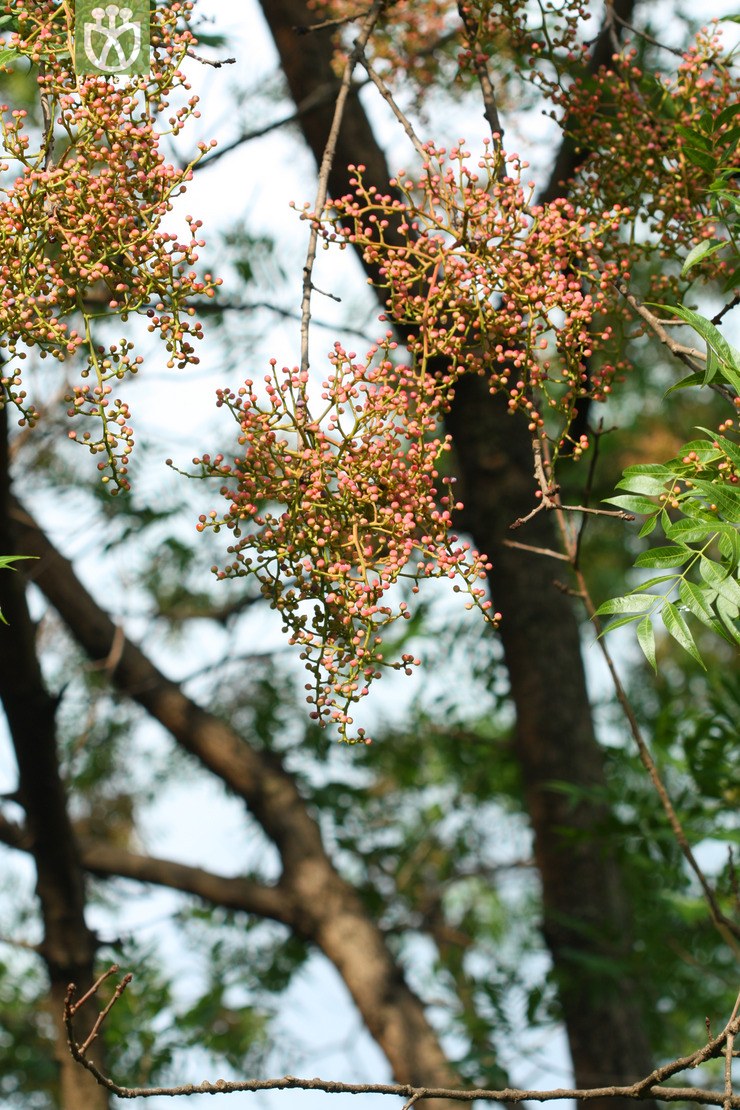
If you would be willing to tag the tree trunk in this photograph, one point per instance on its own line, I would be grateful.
(68, 947)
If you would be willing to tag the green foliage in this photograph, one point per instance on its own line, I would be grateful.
(694, 500)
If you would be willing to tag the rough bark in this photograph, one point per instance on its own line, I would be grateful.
(68, 946)
(311, 897)
(586, 909)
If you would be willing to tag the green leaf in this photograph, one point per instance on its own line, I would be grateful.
(679, 630)
(699, 601)
(643, 483)
(712, 574)
(646, 640)
(654, 582)
(633, 504)
(687, 531)
(631, 603)
(732, 450)
(685, 383)
(727, 114)
(656, 469)
(648, 526)
(664, 557)
(696, 137)
(729, 545)
(724, 496)
(704, 448)
(729, 589)
(706, 329)
(621, 621)
(6, 560)
(729, 614)
(700, 252)
(701, 158)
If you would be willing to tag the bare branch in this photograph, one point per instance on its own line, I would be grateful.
(484, 80)
(649, 1087)
(388, 97)
(327, 161)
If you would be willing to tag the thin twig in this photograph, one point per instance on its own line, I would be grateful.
(209, 61)
(315, 100)
(325, 169)
(644, 35)
(587, 492)
(717, 319)
(104, 1013)
(620, 514)
(387, 95)
(537, 550)
(72, 1006)
(326, 24)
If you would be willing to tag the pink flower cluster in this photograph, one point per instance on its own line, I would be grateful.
(81, 234)
(487, 281)
(331, 511)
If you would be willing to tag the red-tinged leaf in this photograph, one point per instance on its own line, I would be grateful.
(646, 640)
(679, 630)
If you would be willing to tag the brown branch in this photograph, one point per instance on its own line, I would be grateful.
(327, 161)
(488, 93)
(210, 61)
(263, 900)
(68, 945)
(649, 1087)
(388, 97)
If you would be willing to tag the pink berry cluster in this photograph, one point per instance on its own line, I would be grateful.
(331, 511)
(487, 281)
(658, 141)
(81, 225)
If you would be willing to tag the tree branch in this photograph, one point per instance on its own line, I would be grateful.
(648, 1087)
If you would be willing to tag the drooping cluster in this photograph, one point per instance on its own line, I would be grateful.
(484, 280)
(332, 511)
(81, 232)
